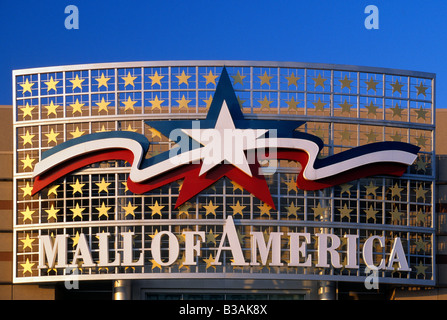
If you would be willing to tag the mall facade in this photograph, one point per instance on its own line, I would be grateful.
(222, 180)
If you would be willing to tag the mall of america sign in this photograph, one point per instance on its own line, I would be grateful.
(224, 144)
(53, 252)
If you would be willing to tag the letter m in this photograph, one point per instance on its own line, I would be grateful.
(273, 244)
(50, 250)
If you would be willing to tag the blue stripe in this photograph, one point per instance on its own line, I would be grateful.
(364, 150)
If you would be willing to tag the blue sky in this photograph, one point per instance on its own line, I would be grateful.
(411, 35)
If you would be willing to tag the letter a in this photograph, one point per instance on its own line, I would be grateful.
(72, 21)
(372, 21)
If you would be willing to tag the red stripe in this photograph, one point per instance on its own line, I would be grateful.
(193, 183)
(65, 168)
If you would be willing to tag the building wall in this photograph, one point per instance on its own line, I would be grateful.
(8, 291)
(439, 292)
(331, 133)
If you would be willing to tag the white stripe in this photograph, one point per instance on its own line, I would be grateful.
(139, 175)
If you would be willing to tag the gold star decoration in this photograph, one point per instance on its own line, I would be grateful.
(345, 106)
(421, 164)
(26, 87)
(210, 78)
(52, 136)
(319, 211)
(209, 262)
(77, 107)
(181, 263)
(27, 111)
(52, 212)
(319, 105)
(28, 242)
(292, 80)
(346, 83)
(126, 188)
(345, 212)
(345, 188)
(103, 185)
(27, 214)
(371, 189)
(28, 162)
(103, 105)
(238, 78)
(237, 209)
(183, 78)
(291, 185)
(345, 135)
(103, 129)
(183, 103)
(236, 186)
(103, 210)
(77, 83)
(371, 213)
(397, 111)
(75, 239)
(183, 209)
(211, 237)
(421, 140)
(130, 129)
(51, 85)
(52, 108)
(209, 100)
(395, 191)
(155, 264)
(420, 244)
(396, 215)
(156, 209)
(77, 187)
(156, 79)
(77, 133)
(421, 269)
(77, 211)
(53, 190)
(397, 86)
(421, 89)
(421, 113)
(129, 104)
(420, 192)
(420, 216)
(265, 209)
(27, 190)
(265, 79)
(265, 104)
(372, 136)
(371, 84)
(210, 208)
(319, 81)
(397, 137)
(129, 80)
(102, 81)
(292, 104)
(28, 138)
(27, 266)
(372, 109)
(156, 103)
(129, 209)
(292, 210)
(155, 133)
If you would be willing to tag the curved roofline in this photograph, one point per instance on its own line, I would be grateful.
(229, 63)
